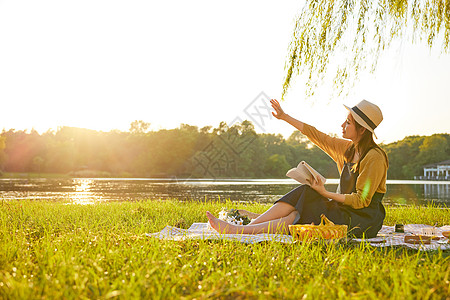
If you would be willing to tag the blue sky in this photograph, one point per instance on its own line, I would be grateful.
(102, 64)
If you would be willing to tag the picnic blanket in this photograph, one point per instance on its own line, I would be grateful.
(386, 236)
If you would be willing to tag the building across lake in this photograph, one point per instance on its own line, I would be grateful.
(437, 171)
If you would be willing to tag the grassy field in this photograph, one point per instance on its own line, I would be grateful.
(58, 250)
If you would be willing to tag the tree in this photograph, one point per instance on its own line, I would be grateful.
(2, 152)
(297, 137)
(402, 157)
(139, 127)
(346, 37)
(433, 149)
(37, 164)
(276, 165)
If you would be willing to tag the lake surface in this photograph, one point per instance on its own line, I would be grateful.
(88, 190)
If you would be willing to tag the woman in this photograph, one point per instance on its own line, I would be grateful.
(363, 167)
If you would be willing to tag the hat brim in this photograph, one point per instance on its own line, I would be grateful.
(360, 120)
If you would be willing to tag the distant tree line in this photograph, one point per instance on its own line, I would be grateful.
(188, 151)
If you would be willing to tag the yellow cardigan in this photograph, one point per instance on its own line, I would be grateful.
(372, 169)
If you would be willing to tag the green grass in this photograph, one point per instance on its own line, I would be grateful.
(54, 250)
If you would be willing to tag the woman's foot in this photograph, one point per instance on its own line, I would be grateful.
(221, 226)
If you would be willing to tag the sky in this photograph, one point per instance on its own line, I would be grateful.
(101, 64)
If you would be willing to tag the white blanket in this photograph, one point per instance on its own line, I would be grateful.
(201, 231)
(386, 237)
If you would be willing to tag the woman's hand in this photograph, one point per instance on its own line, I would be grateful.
(319, 186)
(280, 114)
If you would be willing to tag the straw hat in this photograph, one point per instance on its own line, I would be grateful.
(367, 114)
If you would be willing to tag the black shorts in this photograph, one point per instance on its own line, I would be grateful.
(311, 205)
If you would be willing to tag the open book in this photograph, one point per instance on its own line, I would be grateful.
(303, 173)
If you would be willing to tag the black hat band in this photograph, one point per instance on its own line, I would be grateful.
(364, 117)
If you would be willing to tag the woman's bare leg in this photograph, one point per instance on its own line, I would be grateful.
(249, 214)
(280, 225)
(276, 211)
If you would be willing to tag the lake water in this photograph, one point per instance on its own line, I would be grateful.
(87, 190)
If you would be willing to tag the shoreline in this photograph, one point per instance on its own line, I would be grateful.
(18, 175)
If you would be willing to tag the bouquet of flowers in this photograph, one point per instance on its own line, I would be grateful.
(233, 216)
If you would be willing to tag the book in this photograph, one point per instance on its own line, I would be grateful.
(305, 174)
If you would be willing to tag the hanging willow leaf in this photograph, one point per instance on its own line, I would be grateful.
(346, 37)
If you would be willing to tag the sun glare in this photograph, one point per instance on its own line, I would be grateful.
(83, 194)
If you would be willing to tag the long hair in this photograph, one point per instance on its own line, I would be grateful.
(363, 146)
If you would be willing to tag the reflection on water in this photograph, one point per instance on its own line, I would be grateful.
(439, 191)
(88, 191)
(83, 194)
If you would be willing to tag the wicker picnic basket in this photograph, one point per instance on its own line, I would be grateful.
(325, 230)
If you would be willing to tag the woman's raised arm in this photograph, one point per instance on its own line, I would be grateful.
(281, 115)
